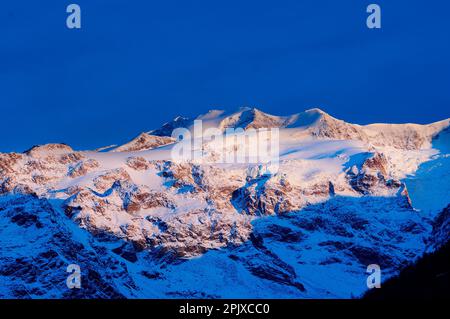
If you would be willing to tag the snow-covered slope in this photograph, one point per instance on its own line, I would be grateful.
(336, 203)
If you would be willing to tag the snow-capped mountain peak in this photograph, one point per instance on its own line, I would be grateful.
(253, 118)
(46, 149)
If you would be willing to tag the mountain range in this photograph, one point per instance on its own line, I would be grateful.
(142, 225)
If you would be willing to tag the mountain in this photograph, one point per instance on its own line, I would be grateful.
(253, 118)
(141, 224)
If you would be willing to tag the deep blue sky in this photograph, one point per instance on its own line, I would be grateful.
(137, 64)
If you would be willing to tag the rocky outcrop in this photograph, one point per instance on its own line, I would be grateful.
(106, 180)
(371, 175)
(41, 167)
(138, 163)
(265, 196)
(83, 167)
(48, 150)
(144, 142)
(251, 118)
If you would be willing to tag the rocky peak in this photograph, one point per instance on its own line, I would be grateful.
(48, 149)
(167, 128)
(253, 118)
(144, 141)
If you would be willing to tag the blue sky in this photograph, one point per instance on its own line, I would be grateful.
(136, 64)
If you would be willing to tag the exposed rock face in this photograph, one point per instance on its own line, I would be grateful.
(373, 178)
(372, 174)
(83, 167)
(180, 176)
(264, 196)
(197, 230)
(8, 162)
(48, 150)
(254, 119)
(40, 167)
(320, 124)
(107, 179)
(144, 142)
(138, 163)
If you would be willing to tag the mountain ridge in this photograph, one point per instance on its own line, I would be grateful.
(337, 203)
(314, 122)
